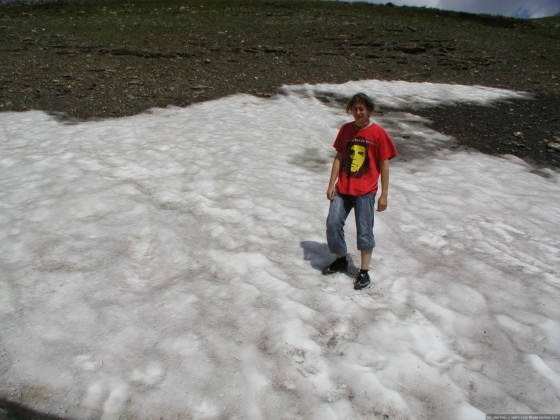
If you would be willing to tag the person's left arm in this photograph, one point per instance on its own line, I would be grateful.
(382, 202)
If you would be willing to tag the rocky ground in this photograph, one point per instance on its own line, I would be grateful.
(99, 59)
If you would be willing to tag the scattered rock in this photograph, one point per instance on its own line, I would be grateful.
(536, 118)
(555, 147)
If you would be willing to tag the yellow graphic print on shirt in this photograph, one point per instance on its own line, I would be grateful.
(358, 156)
(356, 161)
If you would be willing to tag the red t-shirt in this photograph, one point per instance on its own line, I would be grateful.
(362, 153)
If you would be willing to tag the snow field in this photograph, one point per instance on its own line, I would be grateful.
(167, 265)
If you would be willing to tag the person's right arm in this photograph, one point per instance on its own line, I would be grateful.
(335, 171)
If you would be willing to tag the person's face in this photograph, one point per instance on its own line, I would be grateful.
(360, 113)
(358, 156)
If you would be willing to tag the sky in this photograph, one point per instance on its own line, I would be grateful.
(167, 265)
(510, 8)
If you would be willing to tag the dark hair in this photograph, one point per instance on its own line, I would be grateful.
(360, 98)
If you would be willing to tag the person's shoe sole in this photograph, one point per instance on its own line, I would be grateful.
(360, 287)
(327, 271)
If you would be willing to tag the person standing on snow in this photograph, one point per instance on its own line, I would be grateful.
(363, 150)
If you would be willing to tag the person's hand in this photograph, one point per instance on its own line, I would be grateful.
(382, 203)
(330, 193)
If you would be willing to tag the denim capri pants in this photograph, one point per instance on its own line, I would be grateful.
(364, 210)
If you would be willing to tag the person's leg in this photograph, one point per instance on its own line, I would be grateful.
(339, 209)
(366, 258)
(338, 212)
(365, 212)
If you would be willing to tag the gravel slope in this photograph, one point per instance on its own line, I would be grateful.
(108, 59)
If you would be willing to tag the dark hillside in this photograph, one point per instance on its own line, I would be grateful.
(107, 58)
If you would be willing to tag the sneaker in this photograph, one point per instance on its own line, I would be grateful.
(340, 265)
(362, 280)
